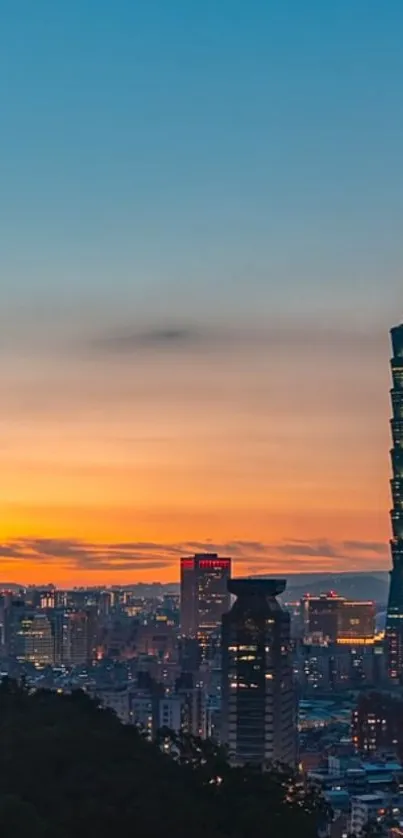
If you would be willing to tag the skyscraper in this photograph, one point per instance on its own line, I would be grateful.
(330, 618)
(356, 622)
(320, 616)
(258, 694)
(33, 639)
(394, 620)
(72, 637)
(204, 594)
(377, 722)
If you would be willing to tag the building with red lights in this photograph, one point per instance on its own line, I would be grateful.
(204, 594)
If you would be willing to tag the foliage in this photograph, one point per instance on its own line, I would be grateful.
(69, 768)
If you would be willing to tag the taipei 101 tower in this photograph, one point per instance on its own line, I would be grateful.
(394, 620)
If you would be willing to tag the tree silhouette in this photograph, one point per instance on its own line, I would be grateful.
(70, 768)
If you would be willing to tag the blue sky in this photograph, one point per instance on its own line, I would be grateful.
(197, 156)
(201, 255)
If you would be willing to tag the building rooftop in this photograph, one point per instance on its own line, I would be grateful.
(338, 799)
(257, 587)
(377, 767)
(397, 340)
(368, 798)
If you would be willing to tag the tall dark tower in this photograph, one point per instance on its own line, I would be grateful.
(394, 620)
(258, 694)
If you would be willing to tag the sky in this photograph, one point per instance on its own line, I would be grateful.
(201, 256)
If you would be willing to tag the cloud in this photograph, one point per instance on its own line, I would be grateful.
(321, 548)
(82, 555)
(250, 556)
(156, 337)
(278, 335)
(378, 547)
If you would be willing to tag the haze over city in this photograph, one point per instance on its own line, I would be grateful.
(199, 274)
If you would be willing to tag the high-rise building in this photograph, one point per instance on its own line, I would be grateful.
(339, 666)
(330, 618)
(33, 639)
(356, 622)
(367, 809)
(320, 616)
(258, 693)
(47, 599)
(142, 708)
(13, 611)
(71, 633)
(204, 594)
(394, 620)
(377, 722)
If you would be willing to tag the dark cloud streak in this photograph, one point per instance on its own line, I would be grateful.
(75, 554)
(278, 335)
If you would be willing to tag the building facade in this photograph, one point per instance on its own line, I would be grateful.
(339, 666)
(377, 723)
(34, 639)
(204, 595)
(366, 808)
(394, 620)
(330, 618)
(320, 615)
(356, 621)
(258, 693)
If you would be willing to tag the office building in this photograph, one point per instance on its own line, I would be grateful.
(258, 694)
(320, 616)
(195, 715)
(330, 618)
(142, 710)
(366, 808)
(335, 666)
(204, 595)
(189, 654)
(377, 723)
(394, 620)
(47, 599)
(356, 622)
(72, 638)
(13, 612)
(169, 713)
(33, 639)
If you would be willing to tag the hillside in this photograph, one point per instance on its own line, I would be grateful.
(69, 768)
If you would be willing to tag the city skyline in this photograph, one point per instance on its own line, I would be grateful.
(200, 271)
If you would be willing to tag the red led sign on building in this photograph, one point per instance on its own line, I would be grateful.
(187, 564)
(214, 563)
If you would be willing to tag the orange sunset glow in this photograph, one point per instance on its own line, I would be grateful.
(118, 461)
(201, 262)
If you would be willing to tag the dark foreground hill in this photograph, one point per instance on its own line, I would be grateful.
(70, 769)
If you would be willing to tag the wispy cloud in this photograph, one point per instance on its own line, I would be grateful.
(155, 337)
(322, 548)
(251, 556)
(275, 335)
(378, 547)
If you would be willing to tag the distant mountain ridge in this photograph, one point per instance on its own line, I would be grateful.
(362, 585)
(373, 586)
